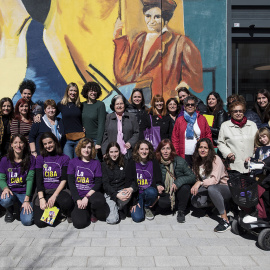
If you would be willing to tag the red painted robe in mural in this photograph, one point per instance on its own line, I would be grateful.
(171, 59)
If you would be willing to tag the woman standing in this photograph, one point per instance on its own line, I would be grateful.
(177, 179)
(6, 114)
(188, 129)
(93, 113)
(137, 106)
(118, 190)
(85, 182)
(262, 106)
(70, 108)
(211, 181)
(51, 178)
(172, 106)
(17, 171)
(49, 123)
(215, 108)
(160, 118)
(236, 137)
(145, 171)
(22, 122)
(121, 127)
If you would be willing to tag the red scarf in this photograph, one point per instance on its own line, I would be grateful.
(240, 124)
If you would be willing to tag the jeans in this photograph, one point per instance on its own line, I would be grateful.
(69, 148)
(145, 199)
(26, 219)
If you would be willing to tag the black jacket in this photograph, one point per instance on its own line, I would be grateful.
(220, 117)
(115, 179)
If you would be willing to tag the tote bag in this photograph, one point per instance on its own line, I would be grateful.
(152, 134)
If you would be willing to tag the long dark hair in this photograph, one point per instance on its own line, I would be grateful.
(43, 151)
(110, 163)
(2, 101)
(25, 163)
(131, 97)
(176, 102)
(264, 114)
(207, 163)
(219, 105)
(135, 155)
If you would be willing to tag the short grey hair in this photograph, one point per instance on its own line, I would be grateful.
(188, 98)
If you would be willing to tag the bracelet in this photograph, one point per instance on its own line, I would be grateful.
(41, 198)
(26, 201)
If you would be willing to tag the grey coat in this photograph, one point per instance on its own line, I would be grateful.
(130, 129)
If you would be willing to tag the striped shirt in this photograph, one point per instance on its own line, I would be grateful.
(23, 128)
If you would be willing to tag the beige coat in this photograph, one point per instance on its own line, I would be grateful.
(240, 141)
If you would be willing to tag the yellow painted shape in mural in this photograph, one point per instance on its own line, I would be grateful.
(81, 32)
(13, 58)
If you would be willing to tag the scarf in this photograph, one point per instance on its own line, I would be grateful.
(190, 123)
(169, 180)
(120, 135)
(241, 123)
(54, 128)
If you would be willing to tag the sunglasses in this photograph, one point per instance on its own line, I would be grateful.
(190, 105)
(238, 111)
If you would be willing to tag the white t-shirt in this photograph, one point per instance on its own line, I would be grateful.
(191, 144)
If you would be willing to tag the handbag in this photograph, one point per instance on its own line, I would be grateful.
(152, 134)
(74, 136)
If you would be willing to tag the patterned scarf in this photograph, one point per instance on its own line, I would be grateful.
(190, 123)
(169, 180)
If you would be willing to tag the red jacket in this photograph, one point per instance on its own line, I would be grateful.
(178, 135)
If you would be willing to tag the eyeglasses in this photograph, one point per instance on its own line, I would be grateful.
(190, 105)
(238, 111)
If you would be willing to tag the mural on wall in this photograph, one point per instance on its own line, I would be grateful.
(114, 42)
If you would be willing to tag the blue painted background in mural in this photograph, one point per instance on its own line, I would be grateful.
(205, 24)
(49, 81)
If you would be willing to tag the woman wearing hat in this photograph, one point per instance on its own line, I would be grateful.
(158, 51)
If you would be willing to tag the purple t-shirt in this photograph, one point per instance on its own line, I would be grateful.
(52, 169)
(85, 173)
(144, 175)
(16, 181)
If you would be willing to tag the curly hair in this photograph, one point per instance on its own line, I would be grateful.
(135, 155)
(120, 160)
(155, 99)
(27, 84)
(25, 163)
(43, 151)
(2, 101)
(161, 145)
(81, 144)
(237, 103)
(219, 105)
(91, 86)
(207, 163)
(17, 114)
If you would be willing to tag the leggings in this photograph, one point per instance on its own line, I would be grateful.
(97, 206)
(63, 201)
(218, 195)
(182, 197)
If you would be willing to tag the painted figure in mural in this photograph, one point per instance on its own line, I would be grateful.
(158, 59)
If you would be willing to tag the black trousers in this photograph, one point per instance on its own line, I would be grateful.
(63, 201)
(182, 197)
(97, 206)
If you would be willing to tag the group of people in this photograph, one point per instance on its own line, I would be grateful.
(98, 166)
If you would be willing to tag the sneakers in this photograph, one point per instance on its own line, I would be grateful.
(148, 214)
(223, 226)
(181, 217)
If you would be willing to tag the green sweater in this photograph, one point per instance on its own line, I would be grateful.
(93, 118)
(182, 172)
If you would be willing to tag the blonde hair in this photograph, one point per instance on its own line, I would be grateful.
(260, 132)
(64, 100)
(81, 144)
